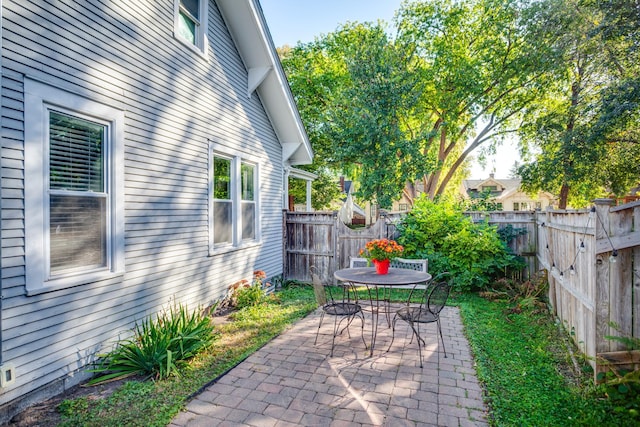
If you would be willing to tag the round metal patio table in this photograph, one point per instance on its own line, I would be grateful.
(368, 277)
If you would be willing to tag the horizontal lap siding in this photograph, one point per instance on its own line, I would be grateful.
(175, 103)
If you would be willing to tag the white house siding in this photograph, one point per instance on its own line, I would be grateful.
(122, 53)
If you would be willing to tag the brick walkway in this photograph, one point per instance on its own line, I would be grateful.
(291, 382)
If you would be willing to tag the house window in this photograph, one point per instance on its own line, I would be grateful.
(191, 22)
(499, 206)
(490, 188)
(403, 207)
(74, 219)
(222, 201)
(234, 219)
(248, 201)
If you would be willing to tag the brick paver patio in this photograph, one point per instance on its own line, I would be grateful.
(291, 382)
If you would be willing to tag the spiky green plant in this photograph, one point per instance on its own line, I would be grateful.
(157, 347)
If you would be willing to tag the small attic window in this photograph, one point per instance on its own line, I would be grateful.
(490, 188)
(191, 23)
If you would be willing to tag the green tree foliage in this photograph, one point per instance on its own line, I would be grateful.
(354, 89)
(473, 253)
(396, 111)
(584, 130)
(481, 63)
(483, 202)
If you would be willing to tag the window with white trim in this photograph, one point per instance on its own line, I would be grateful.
(248, 200)
(191, 23)
(234, 218)
(74, 211)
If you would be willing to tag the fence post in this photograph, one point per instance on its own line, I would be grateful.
(285, 270)
(602, 294)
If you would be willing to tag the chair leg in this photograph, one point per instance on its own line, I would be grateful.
(336, 327)
(366, 347)
(441, 339)
(393, 331)
(318, 331)
(337, 330)
(424, 344)
(419, 348)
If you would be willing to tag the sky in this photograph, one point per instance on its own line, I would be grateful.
(294, 21)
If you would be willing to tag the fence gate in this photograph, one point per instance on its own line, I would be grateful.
(309, 241)
(319, 240)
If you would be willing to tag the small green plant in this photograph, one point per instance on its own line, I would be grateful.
(70, 407)
(158, 347)
(244, 294)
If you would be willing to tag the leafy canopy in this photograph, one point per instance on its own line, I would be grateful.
(584, 129)
(396, 111)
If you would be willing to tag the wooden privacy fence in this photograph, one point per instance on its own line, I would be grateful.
(319, 240)
(592, 258)
(525, 244)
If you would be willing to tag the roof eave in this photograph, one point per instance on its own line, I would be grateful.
(250, 33)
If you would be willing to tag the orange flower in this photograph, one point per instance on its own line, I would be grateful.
(381, 249)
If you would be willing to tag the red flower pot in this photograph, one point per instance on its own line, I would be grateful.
(382, 265)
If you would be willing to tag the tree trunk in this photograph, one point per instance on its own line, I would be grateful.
(564, 195)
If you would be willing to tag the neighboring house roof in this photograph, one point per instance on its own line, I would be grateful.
(249, 31)
(505, 188)
(348, 187)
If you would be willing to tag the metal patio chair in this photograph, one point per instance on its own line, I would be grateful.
(428, 310)
(343, 309)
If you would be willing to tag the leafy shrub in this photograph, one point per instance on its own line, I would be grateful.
(158, 348)
(473, 253)
(244, 294)
(530, 294)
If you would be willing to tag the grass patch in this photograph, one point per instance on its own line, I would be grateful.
(522, 361)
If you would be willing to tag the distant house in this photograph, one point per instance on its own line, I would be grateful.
(506, 193)
(146, 152)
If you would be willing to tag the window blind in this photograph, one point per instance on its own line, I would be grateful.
(75, 154)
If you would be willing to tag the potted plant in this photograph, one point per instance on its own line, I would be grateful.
(380, 252)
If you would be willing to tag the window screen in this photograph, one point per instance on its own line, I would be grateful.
(75, 154)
